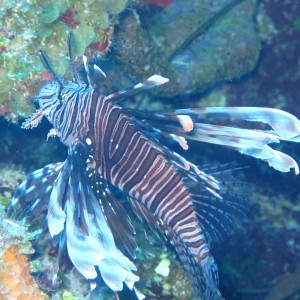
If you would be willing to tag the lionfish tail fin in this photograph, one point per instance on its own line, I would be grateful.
(204, 275)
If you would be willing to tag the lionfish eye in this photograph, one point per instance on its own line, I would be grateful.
(59, 97)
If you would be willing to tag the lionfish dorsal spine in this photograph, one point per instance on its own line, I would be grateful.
(74, 73)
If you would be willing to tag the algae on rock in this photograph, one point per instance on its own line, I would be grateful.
(27, 26)
(195, 48)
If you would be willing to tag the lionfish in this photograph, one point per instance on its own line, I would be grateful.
(112, 147)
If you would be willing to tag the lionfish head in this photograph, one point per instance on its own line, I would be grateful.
(54, 95)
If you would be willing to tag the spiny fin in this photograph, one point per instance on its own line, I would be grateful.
(219, 216)
(253, 142)
(71, 43)
(47, 64)
(147, 218)
(34, 120)
(149, 83)
(88, 237)
(31, 196)
(121, 227)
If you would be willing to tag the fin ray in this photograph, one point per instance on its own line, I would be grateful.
(253, 142)
(149, 83)
(122, 228)
(31, 196)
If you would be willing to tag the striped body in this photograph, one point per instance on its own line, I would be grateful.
(128, 159)
(132, 162)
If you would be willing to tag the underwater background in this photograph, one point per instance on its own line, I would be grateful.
(215, 53)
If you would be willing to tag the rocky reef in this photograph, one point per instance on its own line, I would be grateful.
(16, 281)
(186, 45)
(27, 26)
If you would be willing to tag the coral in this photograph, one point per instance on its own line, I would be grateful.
(16, 281)
(27, 26)
(163, 268)
(275, 82)
(113, 6)
(161, 3)
(161, 274)
(189, 45)
(193, 53)
(13, 234)
(281, 213)
(266, 27)
(10, 177)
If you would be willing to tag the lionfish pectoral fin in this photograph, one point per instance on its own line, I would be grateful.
(56, 214)
(139, 294)
(31, 196)
(116, 270)
(61, 247)
(88, 238)
(122, 228)
(31, 200)
(220, 215)
(149, 83)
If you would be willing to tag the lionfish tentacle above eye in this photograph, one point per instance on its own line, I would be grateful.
(114, 146)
